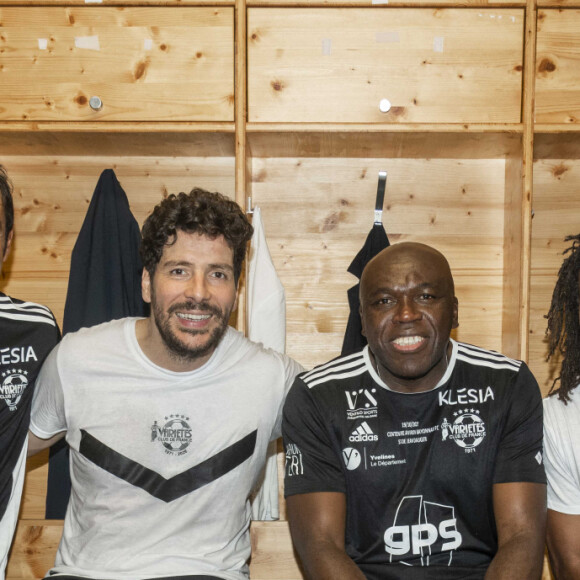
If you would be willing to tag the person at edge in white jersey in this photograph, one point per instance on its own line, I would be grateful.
(28, 332)
(168, 417)
(562, 420)
(419, 456)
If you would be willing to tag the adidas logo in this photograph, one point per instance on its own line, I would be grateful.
(363, 433)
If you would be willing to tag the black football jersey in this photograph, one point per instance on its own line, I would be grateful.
(28, 332)
(417, 469)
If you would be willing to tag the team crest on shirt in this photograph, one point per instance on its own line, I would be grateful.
(467, 429)
(14, 382)
(174, 435)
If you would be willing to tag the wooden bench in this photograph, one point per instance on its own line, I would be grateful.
(36, 542)
(273, 557)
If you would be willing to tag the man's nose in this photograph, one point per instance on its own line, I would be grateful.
(407, 311)
(198, 288)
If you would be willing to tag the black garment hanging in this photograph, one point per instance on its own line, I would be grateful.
(376, 241)
(104, 284)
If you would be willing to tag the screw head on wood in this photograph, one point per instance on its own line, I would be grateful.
(95, 103)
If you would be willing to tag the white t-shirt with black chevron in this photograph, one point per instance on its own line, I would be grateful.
(162, 462)
(417, 469)
(28, 332)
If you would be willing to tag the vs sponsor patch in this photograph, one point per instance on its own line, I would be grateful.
(361, 404)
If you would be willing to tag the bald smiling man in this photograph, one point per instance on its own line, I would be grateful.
(418, 457)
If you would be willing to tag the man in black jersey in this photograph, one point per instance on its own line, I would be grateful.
(27, 333)
(418, 457)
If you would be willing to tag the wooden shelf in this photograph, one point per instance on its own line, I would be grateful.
(123, 140)
(384, 128)
(350, 142)
(115, 127)
(387, 3)
(557, 128)
(114, 3)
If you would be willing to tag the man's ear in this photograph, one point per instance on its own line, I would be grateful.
(362, 322)
(455, 323)
(146, 286)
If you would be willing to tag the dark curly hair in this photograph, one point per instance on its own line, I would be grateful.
(6, 199)
(202, 212)
(563, 330)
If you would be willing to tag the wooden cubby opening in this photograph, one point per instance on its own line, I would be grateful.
(55, 174)
(556, 207)
(455, 191)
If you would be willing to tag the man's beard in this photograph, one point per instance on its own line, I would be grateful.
(179, 349)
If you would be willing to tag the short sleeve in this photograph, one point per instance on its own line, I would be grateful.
(312, 462)
(291, 370)
(48, 412)
(560, 459)
(520, 453)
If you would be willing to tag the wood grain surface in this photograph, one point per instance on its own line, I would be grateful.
(162, 64)
(331, 65)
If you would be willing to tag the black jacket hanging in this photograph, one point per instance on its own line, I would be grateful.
(376, 241)
(104, 284)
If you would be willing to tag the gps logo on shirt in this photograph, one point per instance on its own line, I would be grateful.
(423, 533)
(175, 435)
(13, 384)
(467, 430)
(363, 433)
(361, 404)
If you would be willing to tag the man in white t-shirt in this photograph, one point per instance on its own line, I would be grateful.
(562, 421)
(168, 417)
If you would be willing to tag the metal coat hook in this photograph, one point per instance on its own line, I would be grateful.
(249, 208)
(380, 197)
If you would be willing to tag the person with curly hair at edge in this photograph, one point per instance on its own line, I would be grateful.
(562, 420)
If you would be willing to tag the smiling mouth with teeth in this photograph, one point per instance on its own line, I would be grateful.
(408, 340)
(193, 316)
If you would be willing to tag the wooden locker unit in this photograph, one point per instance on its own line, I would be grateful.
(556, 171)
(144, 64)
(55, 175)
(556, 185)
(556, 215)
(331, 65)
